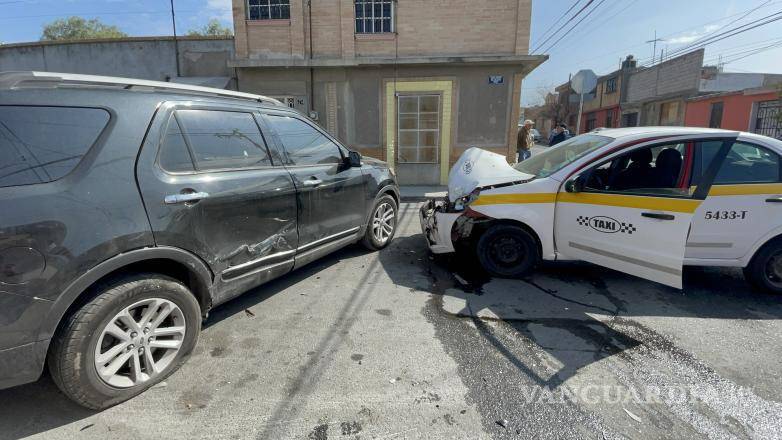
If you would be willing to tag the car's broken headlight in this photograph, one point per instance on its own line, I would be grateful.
(462, 202)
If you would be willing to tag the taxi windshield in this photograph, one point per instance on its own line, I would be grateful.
(555, 158)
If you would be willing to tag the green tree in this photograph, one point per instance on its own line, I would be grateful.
(211, 29)
(78, 28)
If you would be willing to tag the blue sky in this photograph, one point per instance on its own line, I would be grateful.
(617, 28)
(23, 20)
(621, 27)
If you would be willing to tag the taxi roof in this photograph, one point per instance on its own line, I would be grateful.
(617, 133)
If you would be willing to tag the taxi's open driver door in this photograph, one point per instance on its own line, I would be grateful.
(632, 211)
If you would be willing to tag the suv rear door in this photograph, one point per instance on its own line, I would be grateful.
(213, 185)
(331, 194)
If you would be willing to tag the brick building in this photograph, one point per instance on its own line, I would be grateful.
(413, 82)
(657, 95)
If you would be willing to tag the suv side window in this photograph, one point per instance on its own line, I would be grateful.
(174, 154)
(218, 140)
(304, 144)
(745, 163)
(43, 144)
(658, 170)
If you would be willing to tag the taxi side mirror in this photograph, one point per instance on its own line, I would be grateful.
(575, 185)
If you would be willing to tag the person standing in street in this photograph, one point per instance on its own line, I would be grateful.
(559, 136)
(524, 141)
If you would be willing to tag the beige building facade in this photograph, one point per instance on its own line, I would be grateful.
(412, 82)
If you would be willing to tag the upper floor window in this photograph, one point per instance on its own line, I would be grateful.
(374, 16)
(268, 9)
(611, 85)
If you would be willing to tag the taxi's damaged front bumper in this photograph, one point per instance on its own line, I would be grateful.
(436, 225)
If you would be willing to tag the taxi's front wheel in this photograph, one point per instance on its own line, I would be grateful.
(765, 269)
(507, 251)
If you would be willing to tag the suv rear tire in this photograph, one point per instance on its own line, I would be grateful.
(382, 224)
(507, 251)
(146, 325)
(764, 271)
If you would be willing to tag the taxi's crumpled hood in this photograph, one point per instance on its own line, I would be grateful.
(477, 168)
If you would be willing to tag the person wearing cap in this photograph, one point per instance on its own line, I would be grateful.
(524, 141)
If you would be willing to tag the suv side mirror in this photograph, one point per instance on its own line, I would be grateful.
(354, 159)
(575, 185)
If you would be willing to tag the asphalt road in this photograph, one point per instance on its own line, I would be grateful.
(401, 345)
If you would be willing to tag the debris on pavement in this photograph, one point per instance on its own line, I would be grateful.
(632, 416)
(249, 313)
(87, 426)
(503, 423)
(461, 280)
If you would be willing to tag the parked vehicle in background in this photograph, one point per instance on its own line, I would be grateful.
(131, 208)
(642, 200)
(535, 134)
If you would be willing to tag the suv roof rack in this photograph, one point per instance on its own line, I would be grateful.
(16, 80)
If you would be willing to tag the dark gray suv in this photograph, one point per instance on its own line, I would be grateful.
(130, 208)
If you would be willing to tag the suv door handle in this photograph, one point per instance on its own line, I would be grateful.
(658, 216)
(174, 199)
(312, 182)
(774, 200)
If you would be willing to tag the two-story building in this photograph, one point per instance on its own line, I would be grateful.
(604, 109)
(413, 82)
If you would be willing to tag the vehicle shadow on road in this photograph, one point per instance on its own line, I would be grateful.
(40, 406)
(573, 314)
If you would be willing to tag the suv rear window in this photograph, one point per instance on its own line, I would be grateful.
(43, 144)
(222, 140)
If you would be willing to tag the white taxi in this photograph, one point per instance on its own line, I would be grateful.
(645, 201)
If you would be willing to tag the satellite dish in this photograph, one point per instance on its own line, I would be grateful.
(584, 81)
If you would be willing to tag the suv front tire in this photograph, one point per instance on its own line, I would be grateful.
(133, 334)
(382, 224)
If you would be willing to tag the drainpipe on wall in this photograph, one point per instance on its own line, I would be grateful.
(312, 69)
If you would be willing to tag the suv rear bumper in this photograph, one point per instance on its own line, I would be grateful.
(436, 225)
(22, 364)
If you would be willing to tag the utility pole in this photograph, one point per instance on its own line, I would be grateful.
(176, 42)
(654, 47)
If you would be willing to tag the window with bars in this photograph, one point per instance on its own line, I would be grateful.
(268, 9)
(374, 16)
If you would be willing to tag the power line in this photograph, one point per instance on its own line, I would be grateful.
(560, 18)
(565, 24)
(606, 54)
(755, 52)
(703, 42)
(598, 25)
(597, 6)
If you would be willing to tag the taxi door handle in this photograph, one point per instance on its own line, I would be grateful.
(658, 216)
(774, 200)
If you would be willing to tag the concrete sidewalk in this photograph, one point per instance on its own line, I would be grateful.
(417, 193)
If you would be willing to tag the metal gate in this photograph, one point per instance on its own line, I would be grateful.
(768, 121)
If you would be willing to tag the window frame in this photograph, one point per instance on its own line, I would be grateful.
(586, 174)
(610, 85)
(720, 106)
(91, 149)
(698, 171)
(171, 115)
(419, 130)
(364, 19)
(280, 146)
(268, 6)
